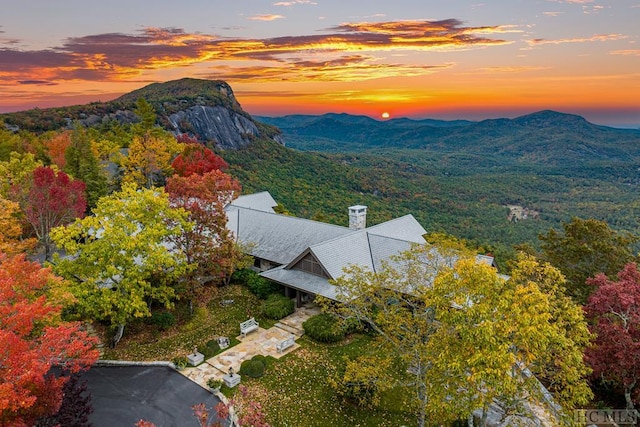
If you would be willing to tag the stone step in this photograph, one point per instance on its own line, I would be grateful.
(297, 332)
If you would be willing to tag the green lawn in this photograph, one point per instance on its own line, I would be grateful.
(144, 342)
(294, 390)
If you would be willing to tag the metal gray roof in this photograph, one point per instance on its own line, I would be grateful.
(403, 228)
(258, 201)
(284, 239)
(369, 247)
(278, 238)
(301, 280)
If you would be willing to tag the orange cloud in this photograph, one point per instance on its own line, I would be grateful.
(629, 52)
(121, 57)
(270, 17)
(595, 38)
(512, 69)
(344, 69)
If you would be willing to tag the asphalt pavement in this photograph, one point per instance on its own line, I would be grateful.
(122, 395)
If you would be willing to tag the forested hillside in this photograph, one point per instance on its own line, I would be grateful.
(455, 195)
(458, 177)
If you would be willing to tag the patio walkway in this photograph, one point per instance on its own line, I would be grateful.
(262, 341)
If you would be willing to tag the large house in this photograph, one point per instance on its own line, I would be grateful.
(304, 255)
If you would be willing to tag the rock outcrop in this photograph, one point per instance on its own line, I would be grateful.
(206, 109)
(218, 126)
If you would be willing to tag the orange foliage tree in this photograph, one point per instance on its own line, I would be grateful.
(197, 159)
(33, 339)
(209, 244)
(56, 147)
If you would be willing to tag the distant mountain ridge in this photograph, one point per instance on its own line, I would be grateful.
(209, 110)
(542, 137)
(206, 109)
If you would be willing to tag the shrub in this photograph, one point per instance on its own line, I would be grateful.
(214, 383)
(209, 349)
(242, 275)
(352, 325)
(259, 286)
(260, 358)
(162, 319)
(180, 361)
(254, 367)
(324, 327)
(278, 306)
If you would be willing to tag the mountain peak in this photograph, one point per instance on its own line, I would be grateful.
(187, 91)
(546, 118)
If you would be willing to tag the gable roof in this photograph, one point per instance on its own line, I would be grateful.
(258, 201)
(278, 238)
(369, 247)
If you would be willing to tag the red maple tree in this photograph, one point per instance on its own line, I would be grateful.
(209, 244)
(53, 199)
(614, 311)
(33, 339)
(197, 159)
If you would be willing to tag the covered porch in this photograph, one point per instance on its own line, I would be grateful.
(302, 286)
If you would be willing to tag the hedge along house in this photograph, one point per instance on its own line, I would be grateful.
(304, 255)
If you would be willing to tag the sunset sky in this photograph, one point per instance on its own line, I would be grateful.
(413, 58)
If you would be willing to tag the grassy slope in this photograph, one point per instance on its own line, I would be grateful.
(295, 390)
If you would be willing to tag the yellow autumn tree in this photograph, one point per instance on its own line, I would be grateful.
(148, 161)
(151, 151)
(11, 241)
(467, 335)
(15, 174)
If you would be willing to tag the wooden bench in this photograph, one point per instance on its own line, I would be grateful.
(286, 343)
(248, 326)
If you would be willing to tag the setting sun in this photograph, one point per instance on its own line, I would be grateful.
(385, 115)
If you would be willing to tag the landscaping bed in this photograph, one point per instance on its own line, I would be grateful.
(144, 342)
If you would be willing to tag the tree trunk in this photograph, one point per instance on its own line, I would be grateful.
(421, 418)
(118, 336)
(470, 420)
(422, 397)
(485, 413)
(627, 397)
(46, 242)
(190, 307)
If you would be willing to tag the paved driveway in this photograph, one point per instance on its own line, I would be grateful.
(122, 395)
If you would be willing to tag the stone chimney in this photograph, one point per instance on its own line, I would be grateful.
(357, 217)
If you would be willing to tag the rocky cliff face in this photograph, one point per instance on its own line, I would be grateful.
(206, 109)
(218, 126)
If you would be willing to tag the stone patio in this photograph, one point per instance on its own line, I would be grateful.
(262, 341)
